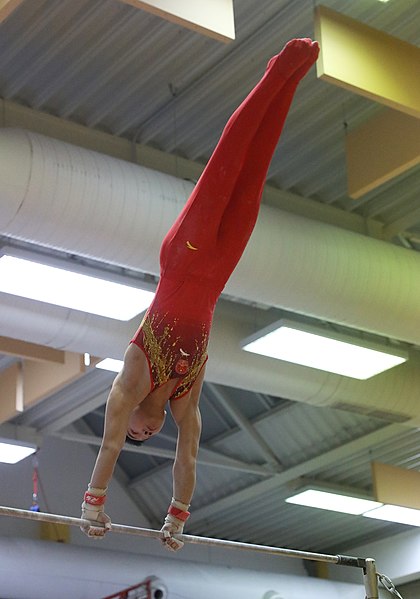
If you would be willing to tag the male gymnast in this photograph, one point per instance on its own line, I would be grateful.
(166, 359)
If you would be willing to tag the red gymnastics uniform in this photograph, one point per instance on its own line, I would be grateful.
(209, 236)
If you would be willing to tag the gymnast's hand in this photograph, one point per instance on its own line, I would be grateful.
(172, 528)
(174, 524)
(93, 511)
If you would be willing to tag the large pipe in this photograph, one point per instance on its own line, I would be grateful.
(64, 197)
(392, 394)
(57, 195)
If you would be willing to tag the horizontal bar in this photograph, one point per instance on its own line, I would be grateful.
(195, 540)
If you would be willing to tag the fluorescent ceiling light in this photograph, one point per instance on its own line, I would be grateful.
(110, 364)
(357, 506)
(312, 346)
(53, 285)
(333, 501)
(395, 513)
(12, 452)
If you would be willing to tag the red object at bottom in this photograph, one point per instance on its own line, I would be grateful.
(151, 588)
(124, 594)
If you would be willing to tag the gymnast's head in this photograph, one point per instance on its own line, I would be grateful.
(144, 424)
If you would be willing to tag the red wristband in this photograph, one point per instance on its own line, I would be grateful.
(94, 499)
(177, 513)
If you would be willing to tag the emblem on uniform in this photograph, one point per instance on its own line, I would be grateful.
(182, 365)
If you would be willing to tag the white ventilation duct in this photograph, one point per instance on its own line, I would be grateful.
(64, 197)
(60, 196)
(392, 394)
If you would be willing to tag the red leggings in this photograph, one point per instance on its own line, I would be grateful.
(221, 212)
(208, 238)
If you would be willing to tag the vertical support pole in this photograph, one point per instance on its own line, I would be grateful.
(370, 579)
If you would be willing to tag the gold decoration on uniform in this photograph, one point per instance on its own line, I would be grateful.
(158, 348)
(160, 344)
(191, 247)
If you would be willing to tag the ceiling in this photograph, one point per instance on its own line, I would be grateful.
(104, 66)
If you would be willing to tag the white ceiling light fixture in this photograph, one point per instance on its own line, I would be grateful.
(110, 364)
(316, 347)
(335, 502)
(347, 503)
(54, 283)
(12, 451)
(395, 513)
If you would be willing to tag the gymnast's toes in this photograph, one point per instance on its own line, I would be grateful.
(295, 54)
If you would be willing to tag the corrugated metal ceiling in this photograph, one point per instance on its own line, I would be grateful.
(107, 65)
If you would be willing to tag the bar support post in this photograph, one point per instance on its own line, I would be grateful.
(370, 579)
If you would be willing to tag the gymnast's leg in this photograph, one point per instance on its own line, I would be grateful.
(242, 211)
(229, 168)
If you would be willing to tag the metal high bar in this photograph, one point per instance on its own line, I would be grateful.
(367, 564)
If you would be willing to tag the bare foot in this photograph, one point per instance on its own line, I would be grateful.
(295, 60)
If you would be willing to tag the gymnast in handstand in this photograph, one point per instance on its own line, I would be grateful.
(165, 361)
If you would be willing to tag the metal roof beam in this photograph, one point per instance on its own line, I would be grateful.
(70, 404)
(266, 451)
(205, 457)
(240, 466)
(307, 467)
(402, 224)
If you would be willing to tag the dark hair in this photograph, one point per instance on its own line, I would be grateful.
(133, 441)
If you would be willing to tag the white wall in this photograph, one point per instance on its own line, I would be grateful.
(398, 557)
(45, 570)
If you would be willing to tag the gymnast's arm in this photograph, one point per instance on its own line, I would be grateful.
(189, 431)
(130, 386)
(186, 414)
